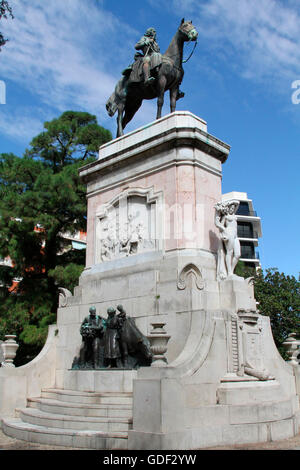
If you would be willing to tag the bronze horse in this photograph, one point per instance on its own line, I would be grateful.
(138, 345)
(138, 350)
(128, 96)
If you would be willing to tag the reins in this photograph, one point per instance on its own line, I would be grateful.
(184, 61)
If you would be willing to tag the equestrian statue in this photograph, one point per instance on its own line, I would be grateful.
(150, 75)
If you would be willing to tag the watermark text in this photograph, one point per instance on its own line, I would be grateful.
(2, 92)
(296, 94)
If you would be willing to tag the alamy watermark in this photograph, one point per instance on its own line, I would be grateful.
(2, 92)
(296, 94)
(179, 221)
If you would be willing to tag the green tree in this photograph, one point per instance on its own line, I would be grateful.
(5, 11)
(41, 199)
(279, 299)
(243, 270)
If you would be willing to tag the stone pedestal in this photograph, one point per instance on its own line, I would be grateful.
(152, 247)
(151, 238)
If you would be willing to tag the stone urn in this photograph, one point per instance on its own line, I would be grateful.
(158, 343)
(9, 348)
(292, 345)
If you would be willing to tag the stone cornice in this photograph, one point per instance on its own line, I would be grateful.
(179, 129)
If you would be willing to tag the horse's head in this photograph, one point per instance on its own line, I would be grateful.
(144, 348)
(188, 30)
(118, 98)
(111, 105)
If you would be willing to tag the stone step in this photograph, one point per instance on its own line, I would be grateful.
(49, 405)
(16, 428)
(75, 396)
(82, 423)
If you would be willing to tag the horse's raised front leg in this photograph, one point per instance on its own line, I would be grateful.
(173, 97)
(160, 99)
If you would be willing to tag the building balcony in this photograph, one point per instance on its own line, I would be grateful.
(253, 222)
(244, 234)
(250, 257)
(253, 241)
(248, 217)
(246, 213)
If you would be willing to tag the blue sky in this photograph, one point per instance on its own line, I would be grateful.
(69, 54)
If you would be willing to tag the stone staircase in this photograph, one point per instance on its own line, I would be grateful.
(88, 420)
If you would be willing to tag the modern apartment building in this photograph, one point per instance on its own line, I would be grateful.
(249, 228)
(77, 240)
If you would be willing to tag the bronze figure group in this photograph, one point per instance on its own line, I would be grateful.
(112, 342)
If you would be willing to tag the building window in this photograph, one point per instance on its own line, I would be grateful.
(243, 208)
(247, 250)
(245, 230)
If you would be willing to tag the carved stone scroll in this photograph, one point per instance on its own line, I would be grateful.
(63, 296)
(186, 276)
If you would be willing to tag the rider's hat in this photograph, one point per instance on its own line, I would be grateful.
(150, 32)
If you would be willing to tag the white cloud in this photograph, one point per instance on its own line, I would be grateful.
(20, 126)
(260, 38)
(59, 50)
(68, 54)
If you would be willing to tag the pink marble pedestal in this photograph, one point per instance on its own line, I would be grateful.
(173, 157)
(161, 183)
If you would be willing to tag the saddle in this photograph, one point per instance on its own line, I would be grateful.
(135, 71)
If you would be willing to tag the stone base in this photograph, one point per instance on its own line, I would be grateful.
(113, 380)
(166, 178)
(170, 414)
(210, 436)
(250, 392)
